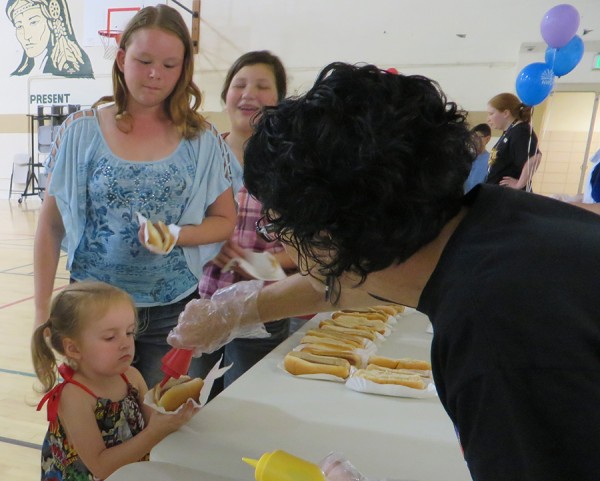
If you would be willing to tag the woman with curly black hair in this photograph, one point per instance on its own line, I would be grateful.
(362, 179)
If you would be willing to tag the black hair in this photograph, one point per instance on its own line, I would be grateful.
(361, 171)
(483, 129)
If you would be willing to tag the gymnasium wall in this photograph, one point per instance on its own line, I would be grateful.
(231, 27)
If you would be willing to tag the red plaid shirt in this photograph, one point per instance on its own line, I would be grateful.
(249, 211)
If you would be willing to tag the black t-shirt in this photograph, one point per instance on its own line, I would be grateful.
(515, 306)
(510, 153)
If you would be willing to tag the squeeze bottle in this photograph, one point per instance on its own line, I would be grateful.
(282, 466)
(175, 363)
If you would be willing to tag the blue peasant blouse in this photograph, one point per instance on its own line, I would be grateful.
(98, 195)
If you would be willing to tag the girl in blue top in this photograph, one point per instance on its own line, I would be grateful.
(149, 151)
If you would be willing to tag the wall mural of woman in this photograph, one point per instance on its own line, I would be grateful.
(45, 31)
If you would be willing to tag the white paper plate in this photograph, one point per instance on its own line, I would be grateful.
(364, 385)
(260, 265)
(319, 377)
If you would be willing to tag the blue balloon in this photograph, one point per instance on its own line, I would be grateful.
(534, 83)
(566, 58)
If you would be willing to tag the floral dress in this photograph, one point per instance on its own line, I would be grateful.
(117, 421)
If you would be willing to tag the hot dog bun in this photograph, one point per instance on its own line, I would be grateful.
(353, 322)
(167, 238)
(391, 377)
(420, 372)
(177, 391)
(298, 363)
(390, 309)
(159, 235)
(154, 238)
(330, 342)
(405, 363)
(366, 314)
(321, 350)
(356, 341)
(365, 333)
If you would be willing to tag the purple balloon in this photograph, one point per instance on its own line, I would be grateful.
(559, 25)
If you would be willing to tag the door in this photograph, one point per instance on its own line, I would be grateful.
(570, 136)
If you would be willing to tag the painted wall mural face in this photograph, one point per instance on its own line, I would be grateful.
(45, 32)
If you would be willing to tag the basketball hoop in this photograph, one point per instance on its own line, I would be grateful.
(110, 40)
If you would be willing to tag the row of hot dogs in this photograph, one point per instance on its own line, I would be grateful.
(345, 346)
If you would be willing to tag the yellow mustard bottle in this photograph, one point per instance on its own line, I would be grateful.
(282, 466)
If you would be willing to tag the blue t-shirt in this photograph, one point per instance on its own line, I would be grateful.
(591, 189)
(99, 193)
(479, 170)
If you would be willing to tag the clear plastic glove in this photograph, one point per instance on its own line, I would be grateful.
(336, 467)
(205, 325)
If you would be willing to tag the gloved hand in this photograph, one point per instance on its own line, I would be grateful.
(205, 325)
(336, 467)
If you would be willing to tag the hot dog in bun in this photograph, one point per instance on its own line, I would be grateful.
(177, 391)
(356, 341)
(392, 377)
(365, 314)
(390, 309)
(299, 362)
(405, 363)
(330, 342)
(352, 322)
(159, 236)
(322, 350)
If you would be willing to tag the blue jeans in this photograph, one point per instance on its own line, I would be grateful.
(243, 353)
(154, 324)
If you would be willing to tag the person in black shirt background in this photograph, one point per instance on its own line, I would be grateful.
(517, 143)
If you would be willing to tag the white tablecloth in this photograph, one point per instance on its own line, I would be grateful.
(268, 409)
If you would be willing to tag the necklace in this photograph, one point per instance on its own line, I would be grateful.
(494, 151)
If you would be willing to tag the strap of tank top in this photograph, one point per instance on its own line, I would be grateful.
(52, 397)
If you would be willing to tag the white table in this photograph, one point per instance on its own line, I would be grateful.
(267, 409)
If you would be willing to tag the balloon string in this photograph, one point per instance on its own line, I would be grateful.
(530, 166)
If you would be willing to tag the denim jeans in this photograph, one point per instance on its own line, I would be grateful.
(243, 353)
(154, 324)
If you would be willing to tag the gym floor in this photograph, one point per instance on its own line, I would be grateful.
(22, 429)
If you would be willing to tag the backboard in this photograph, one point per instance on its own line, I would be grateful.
(113, 15)
(118, 17)
(107, 16)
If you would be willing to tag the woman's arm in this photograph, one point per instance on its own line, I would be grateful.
(207, 324)
(217, 226)
(595, 207)
(299, 295)
(46, 252)
(527, 172)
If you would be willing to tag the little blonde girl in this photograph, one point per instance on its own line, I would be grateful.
(97, 419)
